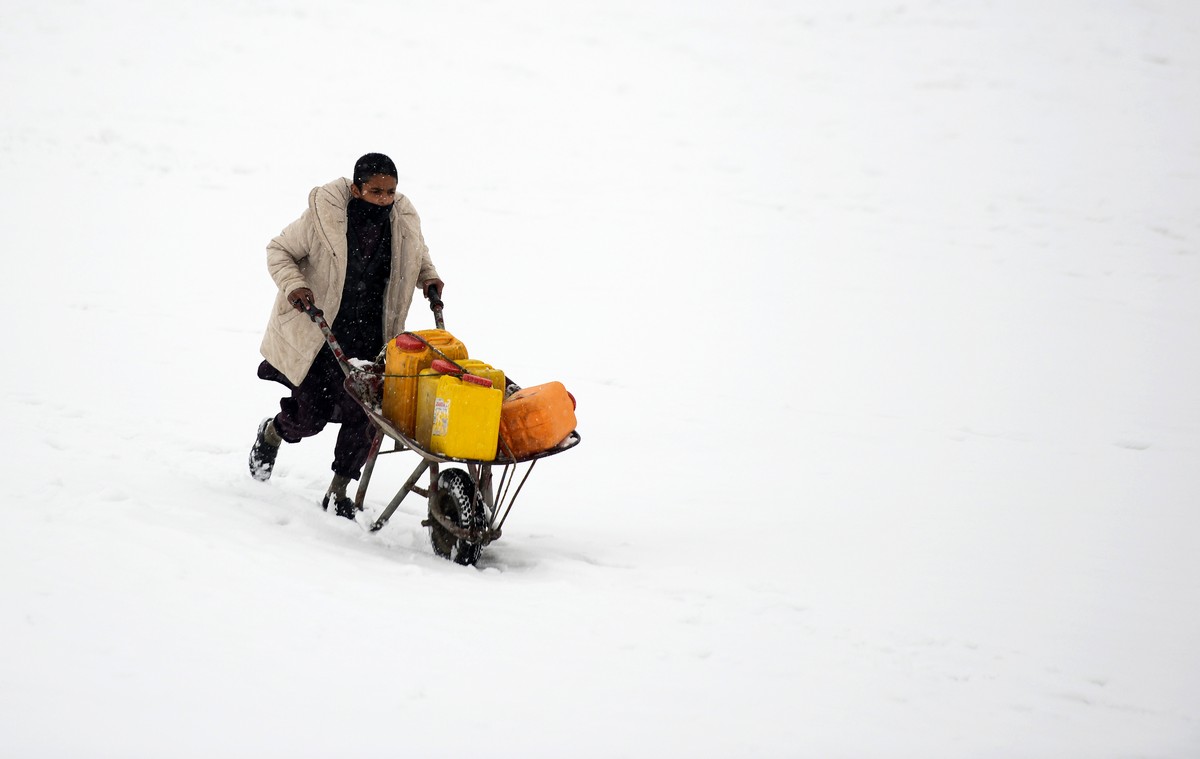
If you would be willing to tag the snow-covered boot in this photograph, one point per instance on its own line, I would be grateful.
(342, 505)
(266, 447)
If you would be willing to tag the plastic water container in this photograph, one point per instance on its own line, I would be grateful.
(427, 384)
(426, 395)
(536, 419)
(466, 418)
(406, 356)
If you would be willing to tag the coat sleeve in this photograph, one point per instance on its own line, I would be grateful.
(412, 226)
(286, 252)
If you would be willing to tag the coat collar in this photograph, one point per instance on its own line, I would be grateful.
(328, 204)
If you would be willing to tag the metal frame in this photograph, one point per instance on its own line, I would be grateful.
(494, 491)
(365, 387)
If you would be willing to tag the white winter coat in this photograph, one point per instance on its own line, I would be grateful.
(311, 252)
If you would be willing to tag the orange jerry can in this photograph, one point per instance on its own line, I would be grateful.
(407, 355)
(536, 419)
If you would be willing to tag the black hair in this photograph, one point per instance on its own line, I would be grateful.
(372, 164)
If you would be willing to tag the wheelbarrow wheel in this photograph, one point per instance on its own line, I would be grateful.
(461, 504)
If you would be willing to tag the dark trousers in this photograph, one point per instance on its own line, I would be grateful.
(318, 400)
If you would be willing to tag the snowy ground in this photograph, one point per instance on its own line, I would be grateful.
(882, 319)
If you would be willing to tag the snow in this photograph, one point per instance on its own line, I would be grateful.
(881, 319)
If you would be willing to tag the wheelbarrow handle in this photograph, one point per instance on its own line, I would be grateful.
(431, 292)
(435, 305)
(318, 317)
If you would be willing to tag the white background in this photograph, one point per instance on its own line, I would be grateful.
(882, 318)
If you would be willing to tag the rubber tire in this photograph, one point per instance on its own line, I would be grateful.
(457, 499)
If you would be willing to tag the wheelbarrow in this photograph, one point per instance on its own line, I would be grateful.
(467, 504)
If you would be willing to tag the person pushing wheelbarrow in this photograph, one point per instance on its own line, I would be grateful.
(358, 254)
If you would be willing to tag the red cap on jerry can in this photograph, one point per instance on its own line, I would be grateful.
(407, 342)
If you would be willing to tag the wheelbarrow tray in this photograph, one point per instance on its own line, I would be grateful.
(363, 388)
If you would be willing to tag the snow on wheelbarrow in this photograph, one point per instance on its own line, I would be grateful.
(468, 504)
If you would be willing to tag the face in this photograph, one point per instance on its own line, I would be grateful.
(378, 190)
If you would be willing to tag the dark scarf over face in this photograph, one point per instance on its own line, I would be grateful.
(359, 323)
(366, 223)
(360, 210)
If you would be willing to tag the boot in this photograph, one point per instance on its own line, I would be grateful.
(266, 447)
(343, 506)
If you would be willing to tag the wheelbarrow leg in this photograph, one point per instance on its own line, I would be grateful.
(408, 486)
(361, 494)
(483, 485)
